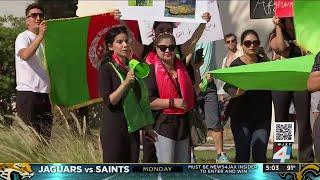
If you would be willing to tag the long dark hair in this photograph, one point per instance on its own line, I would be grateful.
(156, 24)
(247, 32)
(285, 31)
(109, 39)
(294, 50)
(261, 55)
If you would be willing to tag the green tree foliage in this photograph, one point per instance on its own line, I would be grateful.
(10, 27)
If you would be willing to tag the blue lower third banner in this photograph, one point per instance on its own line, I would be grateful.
(159, 171)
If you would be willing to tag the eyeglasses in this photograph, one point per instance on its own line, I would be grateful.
(163, 48)
(231, 41)
(247, 43)
(35, 15)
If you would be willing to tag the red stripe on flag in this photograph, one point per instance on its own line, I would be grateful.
(98, 27)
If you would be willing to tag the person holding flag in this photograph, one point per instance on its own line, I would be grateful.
(33, 102)
(126, 104)
(251, 110)
(283, 43)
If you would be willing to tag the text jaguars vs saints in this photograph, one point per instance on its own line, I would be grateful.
(56, 168)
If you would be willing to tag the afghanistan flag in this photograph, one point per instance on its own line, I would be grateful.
(72, 46)
(282, 75)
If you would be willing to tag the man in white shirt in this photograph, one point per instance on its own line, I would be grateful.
(33, 103)
(233, 53)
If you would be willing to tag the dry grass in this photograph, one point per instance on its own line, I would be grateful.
(21, 143)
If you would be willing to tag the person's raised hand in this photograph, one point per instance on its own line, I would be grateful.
(276, 20)
(116, 13)
(42, 29)
(206, 16)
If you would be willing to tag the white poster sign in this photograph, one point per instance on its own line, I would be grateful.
(152, 10)
(184, 31)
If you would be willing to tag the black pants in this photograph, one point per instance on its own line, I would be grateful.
(250, 136)
(149, 151)
(301, 100)
(35, 110)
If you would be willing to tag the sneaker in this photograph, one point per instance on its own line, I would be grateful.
(222, 158)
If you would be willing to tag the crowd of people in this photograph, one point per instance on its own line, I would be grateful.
(175, 86)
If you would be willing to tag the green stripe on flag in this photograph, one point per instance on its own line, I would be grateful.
(67, 70)
(282, 75)
(307, 24)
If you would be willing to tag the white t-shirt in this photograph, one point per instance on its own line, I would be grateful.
(31, 74)
(220, 83)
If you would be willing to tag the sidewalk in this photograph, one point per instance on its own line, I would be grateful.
(227, 146)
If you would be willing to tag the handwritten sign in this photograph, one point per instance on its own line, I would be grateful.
(260, 9)
(283, 8)
(156, 11)
(184, 31)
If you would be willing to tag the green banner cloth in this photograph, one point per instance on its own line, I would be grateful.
(137, 111)
(283, 75)
(307, 24)
(72, 46)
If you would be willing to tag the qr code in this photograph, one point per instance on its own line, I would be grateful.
(284, 132)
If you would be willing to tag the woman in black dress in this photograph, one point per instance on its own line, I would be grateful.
(119, 146)
(283, 44)
(250, 110)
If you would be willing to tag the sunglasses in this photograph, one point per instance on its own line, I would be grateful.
(35, 15)
(247, 43)
(231, 41)
(163, 48)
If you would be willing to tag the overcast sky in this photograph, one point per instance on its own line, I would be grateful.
(14, 7)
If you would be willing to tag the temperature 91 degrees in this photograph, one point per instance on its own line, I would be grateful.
(281, 167)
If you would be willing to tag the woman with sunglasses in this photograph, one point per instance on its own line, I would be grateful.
(250, 112)
(116, 83)
(171, 93)
(283, 44)
(148, 53)
(142, 51)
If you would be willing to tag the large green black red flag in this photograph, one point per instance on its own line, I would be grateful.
(71, 49)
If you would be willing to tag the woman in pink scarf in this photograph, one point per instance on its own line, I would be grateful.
(172, 96)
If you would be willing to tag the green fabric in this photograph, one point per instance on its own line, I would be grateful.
(137, 112)
(204, 84)
(306, 23)
(283, 75)
(141, 70)
(61, 76)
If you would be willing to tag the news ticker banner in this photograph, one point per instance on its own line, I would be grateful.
(156, 171)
